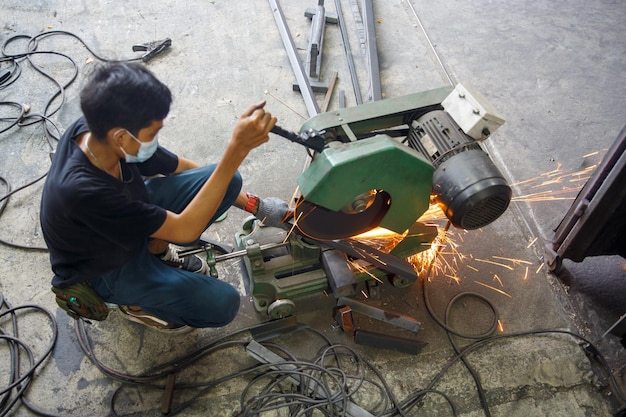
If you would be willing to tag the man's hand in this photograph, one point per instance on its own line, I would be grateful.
(273, 211)
(253, 128)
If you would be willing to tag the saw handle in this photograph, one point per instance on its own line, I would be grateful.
(312, 139)
(292, 136)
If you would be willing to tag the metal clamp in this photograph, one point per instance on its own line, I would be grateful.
(152, 49)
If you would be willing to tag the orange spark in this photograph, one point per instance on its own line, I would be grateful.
(292, 227)
(512, 260)
(494, 288)
(497, 278)
(359, 268)
(532, 242)
(495, 263)
(455, 278)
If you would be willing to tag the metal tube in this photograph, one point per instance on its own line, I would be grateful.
(301, 77)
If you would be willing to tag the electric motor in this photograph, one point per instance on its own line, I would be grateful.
(466, 184)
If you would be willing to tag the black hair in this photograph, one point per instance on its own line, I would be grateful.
(123, 94)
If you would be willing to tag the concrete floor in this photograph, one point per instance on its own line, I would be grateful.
(555, 70)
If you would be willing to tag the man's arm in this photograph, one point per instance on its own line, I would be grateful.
(251, 131)
(185, 164)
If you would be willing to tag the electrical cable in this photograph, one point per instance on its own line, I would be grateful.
(3, 203)
(19, 379)
(24, 118)
(13, 121)
(485, 338)
(317, 388)
(322, 384)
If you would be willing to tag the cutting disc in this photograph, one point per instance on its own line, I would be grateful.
(321, 223)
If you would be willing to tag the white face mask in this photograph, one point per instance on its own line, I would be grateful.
(146, 150)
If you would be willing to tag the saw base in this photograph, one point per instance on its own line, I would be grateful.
(303, 266)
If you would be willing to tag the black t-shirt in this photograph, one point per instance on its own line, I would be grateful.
(92, 222)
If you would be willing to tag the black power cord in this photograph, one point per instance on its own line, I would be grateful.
(337, 374)
(487, 337)
(23, 117)
(20, 380)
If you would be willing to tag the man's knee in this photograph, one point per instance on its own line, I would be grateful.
(217, 308)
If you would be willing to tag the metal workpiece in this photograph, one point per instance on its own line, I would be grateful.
(376, 92)
(389, 342)
(343, 317)
(274, 328)
(294, 59)
(264, 355)
(341, 279)
(348, 52)
(387, 316)
(378, 259)
(316, 42)
(315, 49)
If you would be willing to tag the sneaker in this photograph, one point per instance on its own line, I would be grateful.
(154, 322)
(192, 263)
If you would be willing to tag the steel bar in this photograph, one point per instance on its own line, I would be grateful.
(376, 92)
(348, 52)
(230, 255)
(380, 260)
(385, 341)
(316, 42)
(296, 65)
(396, 319)
(594, 223)
(271, 329)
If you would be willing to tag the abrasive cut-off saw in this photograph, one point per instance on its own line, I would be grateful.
(379, 164)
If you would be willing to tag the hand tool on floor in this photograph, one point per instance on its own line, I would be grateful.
(152, 49)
